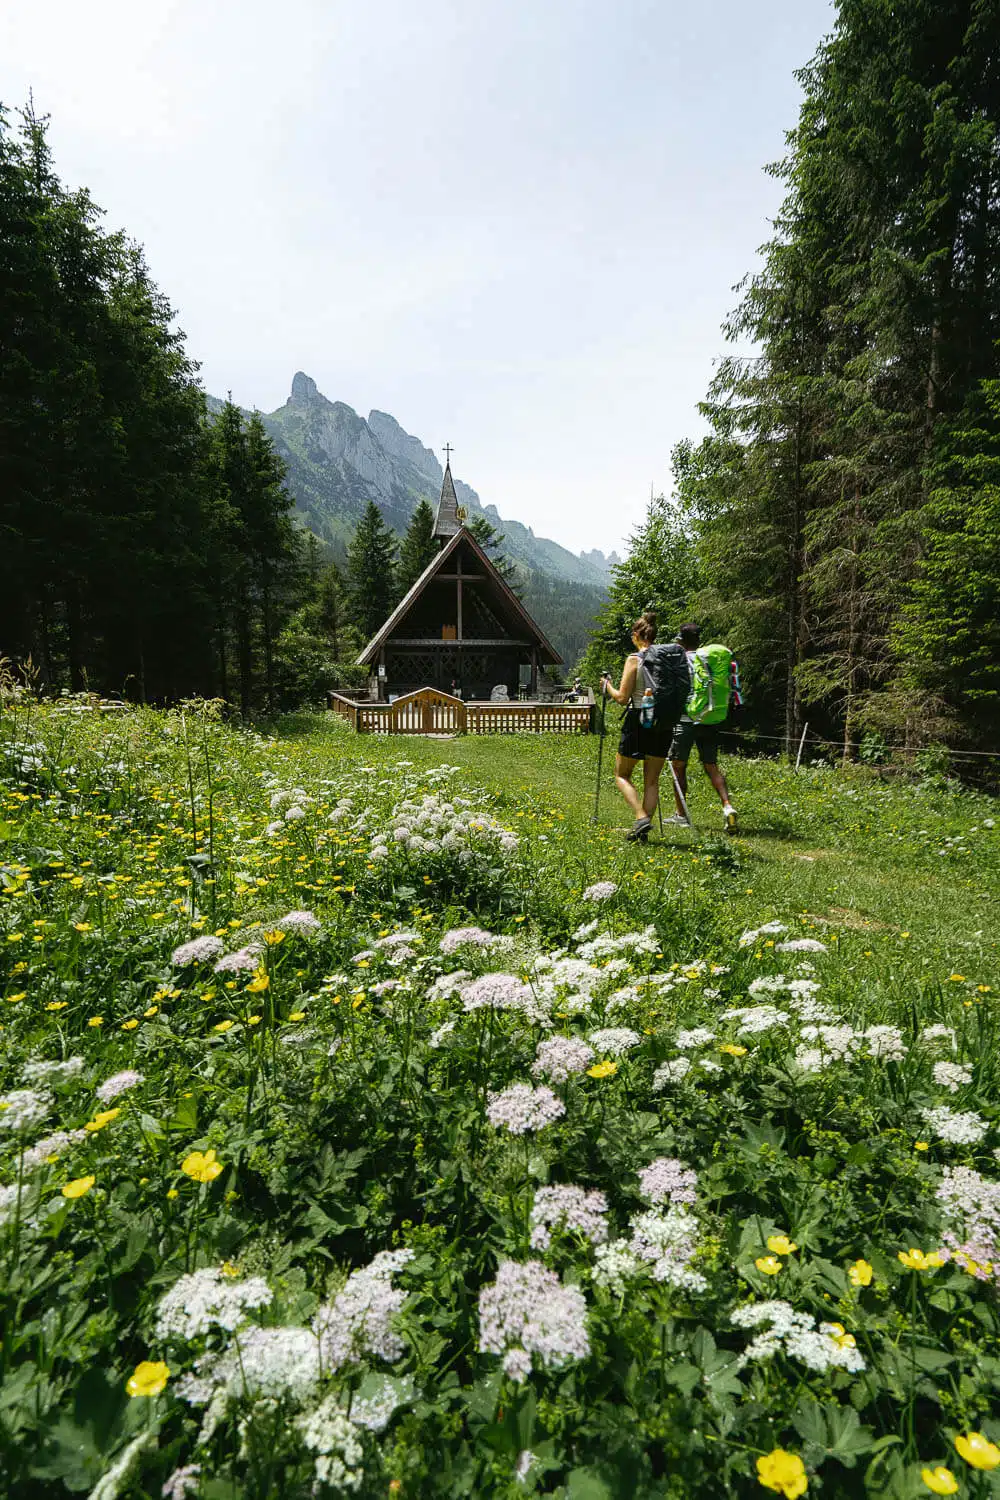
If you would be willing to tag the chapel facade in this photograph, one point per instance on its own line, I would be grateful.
(461, 628)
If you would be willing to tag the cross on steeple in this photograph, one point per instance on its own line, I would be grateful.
(448, 450)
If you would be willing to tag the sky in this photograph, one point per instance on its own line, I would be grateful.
(514, 224)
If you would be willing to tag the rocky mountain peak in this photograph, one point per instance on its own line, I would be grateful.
(304, 389)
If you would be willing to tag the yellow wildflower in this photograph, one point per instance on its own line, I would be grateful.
(260, 981)
(102, 1118)
(603, 1069)
(297, 1015)
(978, 1451)
(172, 1193)
(228, 1269)
(149, 1378)
(770, 1265)
(78, 1187)
(57, 1005)
(129, 1025)
(921, 1145)
(96, 1021)
(274, 937)
(83, 926)
(916, 1260)
(223, 1026)
(784, 1472)
(254, 1020)
(781, 1244)
(860, 1274)
(940, 1481)
(202, 1166)
(734, 1051)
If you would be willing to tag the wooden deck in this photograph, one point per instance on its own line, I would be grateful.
(429, 711)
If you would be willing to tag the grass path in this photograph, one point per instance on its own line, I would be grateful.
(855, 852)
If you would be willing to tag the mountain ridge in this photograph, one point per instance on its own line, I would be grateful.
(338, 460)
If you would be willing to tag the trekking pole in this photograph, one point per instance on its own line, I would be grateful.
(600, 744)
(680, 794)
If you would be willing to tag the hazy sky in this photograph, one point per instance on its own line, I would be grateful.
(513, 224)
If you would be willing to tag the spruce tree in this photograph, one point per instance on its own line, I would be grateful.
(418, 547)
(371, 562)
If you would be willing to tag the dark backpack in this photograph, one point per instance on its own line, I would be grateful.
(666, 671)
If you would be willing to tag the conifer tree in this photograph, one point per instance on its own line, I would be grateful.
(418, 547)
(371, 562)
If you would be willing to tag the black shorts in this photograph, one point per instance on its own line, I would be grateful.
(636, 743)
(705, 736)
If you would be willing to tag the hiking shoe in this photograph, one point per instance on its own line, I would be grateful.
(678, 820)
(729, 815)
(640, 833)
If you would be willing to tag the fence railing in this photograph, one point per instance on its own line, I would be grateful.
(429, 711)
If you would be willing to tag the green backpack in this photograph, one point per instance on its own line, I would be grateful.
(713, 681)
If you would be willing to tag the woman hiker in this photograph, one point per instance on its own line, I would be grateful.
(650, 746)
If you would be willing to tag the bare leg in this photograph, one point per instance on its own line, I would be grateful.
(652, 766)
(717, 779)
(624, 770)
(680, 771)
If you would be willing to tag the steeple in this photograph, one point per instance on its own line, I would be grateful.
(447, 522)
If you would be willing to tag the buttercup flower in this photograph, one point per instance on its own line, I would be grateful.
(860, 1274)
(148, 1379)
(78, 1187)
(770, 1265)
(603, 1069)
(784, 1472)
(202, 1166)
(916, 1260)
(940, 1481)
(781, 1244)
(977, 1450)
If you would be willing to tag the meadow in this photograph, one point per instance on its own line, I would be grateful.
(373, 1124)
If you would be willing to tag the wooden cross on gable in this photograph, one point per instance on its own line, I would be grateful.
(448, 451)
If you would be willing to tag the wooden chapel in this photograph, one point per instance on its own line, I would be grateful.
(461, 629)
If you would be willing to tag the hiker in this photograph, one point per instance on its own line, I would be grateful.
(653, 689)
(715, 688)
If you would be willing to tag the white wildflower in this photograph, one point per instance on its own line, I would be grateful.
(768, 930)
(560, 1056)
(52, 1073)
(951, 1076)
(528, 1312)
(698, 1036)
(207, 1299)
(22, 1109)
(602, 891)
(466, 937)
(182, 1482)
(328, 1433)
(360, 1320)
(615, 1040)
(522, 1108)
(801, 945)
(200, 950)
(119, 1083)
(956, 1127)
(673, 1071)
(668, 1180)
(573, 1209)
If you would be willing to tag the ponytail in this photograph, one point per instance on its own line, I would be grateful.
(645, 627)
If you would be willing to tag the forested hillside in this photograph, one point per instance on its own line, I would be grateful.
(148, 545)
(842, 517)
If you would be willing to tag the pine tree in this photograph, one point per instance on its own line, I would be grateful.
(418, 547)
(371, 562)
(491, 540)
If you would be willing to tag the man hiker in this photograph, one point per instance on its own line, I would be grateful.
(714, 687)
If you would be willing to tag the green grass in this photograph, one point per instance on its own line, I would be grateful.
(852, 850)
(346, 1098)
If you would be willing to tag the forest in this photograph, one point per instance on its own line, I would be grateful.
(839, 523)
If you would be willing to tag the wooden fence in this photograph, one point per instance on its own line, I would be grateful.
(429, 711)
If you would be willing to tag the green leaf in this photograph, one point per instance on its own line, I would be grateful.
(584, 1484)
